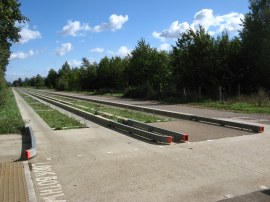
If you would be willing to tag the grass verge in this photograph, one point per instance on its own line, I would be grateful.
(52, 117)
(249, 108)
(10, 117)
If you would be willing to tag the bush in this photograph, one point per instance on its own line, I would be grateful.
(3, 91)
(145, 91)
(262, 97)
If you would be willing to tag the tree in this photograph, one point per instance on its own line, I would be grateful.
(103, 73)
(50, 80)
(63, 81)
(229, 73)
(39, 82)
(193, 60)
(9, 15)
(88, 75)
(139, 71)
(147, 71)
(256, 44)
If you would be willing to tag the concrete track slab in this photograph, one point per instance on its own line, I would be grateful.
(182, 108)
(200, 131)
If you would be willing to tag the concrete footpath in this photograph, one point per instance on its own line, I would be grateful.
(98, 164)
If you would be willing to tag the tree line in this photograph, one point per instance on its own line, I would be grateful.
(199, 65)
(9, 33)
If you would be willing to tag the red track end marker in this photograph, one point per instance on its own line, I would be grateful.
(27, 154)
(169, 139)
(261, 129)
(185, 137)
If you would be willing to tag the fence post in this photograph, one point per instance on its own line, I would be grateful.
(200, 92)
(239, 90)
(220, 94)
(185, 93)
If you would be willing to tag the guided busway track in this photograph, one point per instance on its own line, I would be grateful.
(132, 127)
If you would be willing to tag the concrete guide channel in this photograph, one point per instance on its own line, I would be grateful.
(132, 127)
(199, 128)
(184, 116)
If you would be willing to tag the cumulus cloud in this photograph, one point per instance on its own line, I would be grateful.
(215, 24)
(74, 28)
(63, 49)
(75, 63)
(97, 50)
(123, 51)
(21, 55)
(115, 22)
(27, 34)
(165, 47)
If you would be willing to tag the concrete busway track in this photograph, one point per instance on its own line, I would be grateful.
(98, 164)
(179, 115)
(197, 131)
(130, 126)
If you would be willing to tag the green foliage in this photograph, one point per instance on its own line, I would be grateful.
(10, 117)
(194, 60)
(256, 44)
(147, 74)
(9, 15)
(39, 81)
(244, 107)
(52, 117)
(50, 80)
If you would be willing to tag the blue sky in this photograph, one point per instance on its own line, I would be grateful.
(61, 30)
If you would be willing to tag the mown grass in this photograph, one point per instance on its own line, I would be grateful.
(244, 107)
(10, 117)
(96, 109)
(52, 117)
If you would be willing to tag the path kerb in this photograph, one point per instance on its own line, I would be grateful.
(32, 151)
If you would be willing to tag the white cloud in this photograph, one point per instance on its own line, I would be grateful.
(215, 24)
(165, 47)
(174, 30)
(115, 22)
(97, 50)
(21, 55)
(73, 28)
(28, 34)
(75, 63)
(63, 49)
(122, 51)
(157, 35)
(76, 28)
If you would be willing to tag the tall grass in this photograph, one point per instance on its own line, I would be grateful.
(10, 117)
